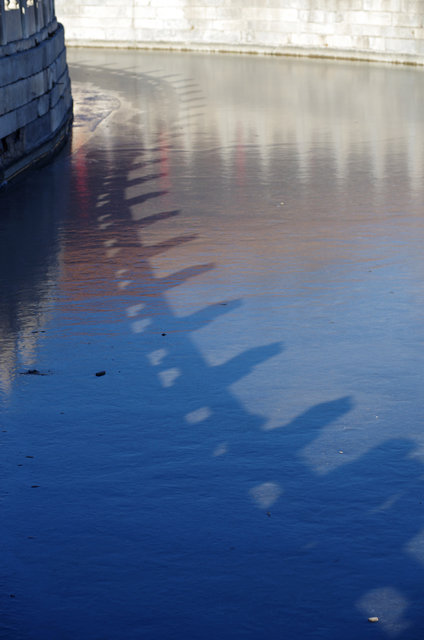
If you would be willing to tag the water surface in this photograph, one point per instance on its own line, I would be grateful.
(237, 243)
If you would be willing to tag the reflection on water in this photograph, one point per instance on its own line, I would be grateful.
(284, 114)
(30, 247)
(237, 243)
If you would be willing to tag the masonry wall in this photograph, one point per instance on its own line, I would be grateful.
(35, 98)
(391, 30)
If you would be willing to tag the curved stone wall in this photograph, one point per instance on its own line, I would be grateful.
(384, 30)
(35, 90)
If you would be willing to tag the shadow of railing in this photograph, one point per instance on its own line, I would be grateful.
(336, 542)
(225, 528)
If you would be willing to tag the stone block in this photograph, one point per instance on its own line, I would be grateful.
(8, 124)
(393, 6)
(327, 24)
(401, 45)
(403, 19)
(340, 41)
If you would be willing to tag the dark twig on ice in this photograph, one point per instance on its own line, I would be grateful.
(33, 372)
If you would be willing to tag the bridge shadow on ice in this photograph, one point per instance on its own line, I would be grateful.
(188, 518)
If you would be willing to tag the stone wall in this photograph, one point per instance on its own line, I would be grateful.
(387, 30)
(35, 93)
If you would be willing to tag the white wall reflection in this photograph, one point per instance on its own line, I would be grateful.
(266, 106)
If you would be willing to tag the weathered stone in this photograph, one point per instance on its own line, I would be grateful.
(386, 30)
(35, 97)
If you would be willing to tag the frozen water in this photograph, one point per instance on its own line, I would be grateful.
(237, 243)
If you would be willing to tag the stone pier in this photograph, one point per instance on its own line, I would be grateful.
(35, 90)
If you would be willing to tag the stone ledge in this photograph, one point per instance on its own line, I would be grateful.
(310, 52)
